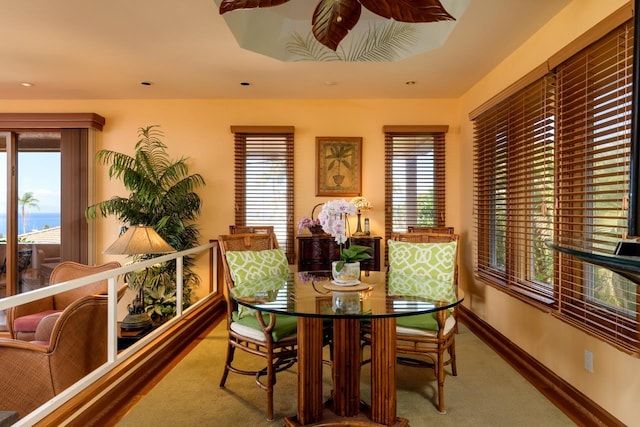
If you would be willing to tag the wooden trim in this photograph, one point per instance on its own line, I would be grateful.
(415, 129)
(532, 76)
(118, 388)
(24, 121)
(263, 129)
(577, 406)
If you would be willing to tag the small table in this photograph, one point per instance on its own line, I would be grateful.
(313, 298)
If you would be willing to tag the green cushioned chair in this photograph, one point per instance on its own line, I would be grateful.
(253, 262)
(426, 265)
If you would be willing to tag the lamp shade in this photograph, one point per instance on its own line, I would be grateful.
(360, 203)
(139, 239)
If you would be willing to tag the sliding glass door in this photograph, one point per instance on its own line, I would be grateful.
(30, 200)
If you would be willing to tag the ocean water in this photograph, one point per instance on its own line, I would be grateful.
(33, 221)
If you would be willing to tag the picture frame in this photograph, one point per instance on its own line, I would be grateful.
(338, 166)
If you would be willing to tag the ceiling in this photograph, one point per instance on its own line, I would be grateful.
(79, 49)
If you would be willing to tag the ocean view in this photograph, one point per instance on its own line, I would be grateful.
(33, 221)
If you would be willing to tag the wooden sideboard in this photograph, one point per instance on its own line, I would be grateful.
(315, 252)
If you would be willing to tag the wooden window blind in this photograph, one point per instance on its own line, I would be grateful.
(264, 181)
(552, 160)
(514, 189)
(593, 152)
(414, 178)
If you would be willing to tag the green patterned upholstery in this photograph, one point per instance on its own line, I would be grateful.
(422, 269)
(255, 272)
(250, 265)
(431, 260)
(420, 286)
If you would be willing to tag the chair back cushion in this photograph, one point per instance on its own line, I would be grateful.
(246, 266)
(259, 271)
(422, 269)
(431, 260)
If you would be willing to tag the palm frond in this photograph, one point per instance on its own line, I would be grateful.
(382, 42)
(161, 194)
(309, 49)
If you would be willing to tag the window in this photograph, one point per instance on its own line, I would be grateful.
(514, 189)
(59, 144)
(414, 177)
(264, 180)
(552, 160)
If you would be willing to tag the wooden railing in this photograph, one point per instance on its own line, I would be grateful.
(114, 358)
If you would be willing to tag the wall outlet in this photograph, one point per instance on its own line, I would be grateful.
(588, 360)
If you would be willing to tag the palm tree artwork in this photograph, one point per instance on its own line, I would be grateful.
(25, 202)
(339, 155)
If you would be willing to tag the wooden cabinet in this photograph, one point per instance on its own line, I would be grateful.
(315, 252)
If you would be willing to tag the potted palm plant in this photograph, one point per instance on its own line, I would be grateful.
(161, 195)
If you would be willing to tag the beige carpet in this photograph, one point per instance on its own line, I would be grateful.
(486, 392)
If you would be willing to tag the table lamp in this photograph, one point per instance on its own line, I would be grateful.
(138, 240)
(361, 204)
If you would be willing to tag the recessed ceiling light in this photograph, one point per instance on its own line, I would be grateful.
(26, 84)
(145, 83)
(330, 83)
(245, 84)
(410, 82)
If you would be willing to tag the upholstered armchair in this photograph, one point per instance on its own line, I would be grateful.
(23, 320)
(32, 373)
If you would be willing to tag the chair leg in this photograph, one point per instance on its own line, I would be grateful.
(230, 351)
(271, 377)
(452, 357)
(440, 378)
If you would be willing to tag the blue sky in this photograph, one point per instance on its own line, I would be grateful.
(38, 173)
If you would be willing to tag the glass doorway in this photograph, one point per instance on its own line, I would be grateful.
(30, 219)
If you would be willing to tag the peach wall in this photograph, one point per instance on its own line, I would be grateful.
(615, 383)
(200, 130)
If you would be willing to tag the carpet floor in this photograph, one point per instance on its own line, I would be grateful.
(486, 392)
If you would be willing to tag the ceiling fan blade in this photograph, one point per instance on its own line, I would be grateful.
(229, 5)
(409, 10)
(332, 20)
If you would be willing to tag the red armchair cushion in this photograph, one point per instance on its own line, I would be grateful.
(29, 323)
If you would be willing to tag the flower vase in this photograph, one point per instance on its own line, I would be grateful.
(346, 302)
(348, 275)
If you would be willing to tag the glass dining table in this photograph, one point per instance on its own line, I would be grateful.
(314, 298)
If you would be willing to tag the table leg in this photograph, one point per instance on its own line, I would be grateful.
(383, 371)
(346, 367)
(310, 403)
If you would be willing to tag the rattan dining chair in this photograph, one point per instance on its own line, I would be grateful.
(251, 229)
(435, 229)
(427, 340)
(247, 257)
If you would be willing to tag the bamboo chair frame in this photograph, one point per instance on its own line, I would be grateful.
(279, 355)
(438, 348)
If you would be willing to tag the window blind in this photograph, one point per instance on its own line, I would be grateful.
(514, 189)
(593, 152)
(414, 179)
(264, 182)
(552, 160)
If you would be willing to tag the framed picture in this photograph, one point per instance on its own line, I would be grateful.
(338, 166)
